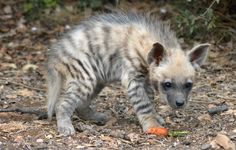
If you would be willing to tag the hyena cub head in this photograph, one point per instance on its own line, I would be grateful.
(172, 72)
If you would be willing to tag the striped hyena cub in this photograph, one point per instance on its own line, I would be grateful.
(137, 50)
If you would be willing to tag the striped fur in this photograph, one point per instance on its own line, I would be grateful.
(137, 50)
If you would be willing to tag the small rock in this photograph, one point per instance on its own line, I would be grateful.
(163, 10)
(34, 29)
(39, 140)
(206, 146)
(67, 27)
(7, 9)
(232, 136)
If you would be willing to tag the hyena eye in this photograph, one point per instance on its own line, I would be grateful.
(167, 85)
(188, 85)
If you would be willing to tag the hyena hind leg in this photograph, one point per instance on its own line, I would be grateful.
(90, 114)
(87, 113)
(72, 97)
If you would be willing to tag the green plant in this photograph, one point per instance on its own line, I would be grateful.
(34, 8)
(196, 19)
(90, 3)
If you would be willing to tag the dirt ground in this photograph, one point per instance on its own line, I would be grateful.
(23, 85)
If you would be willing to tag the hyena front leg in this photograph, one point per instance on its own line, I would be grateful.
(87, 113)
(140, 99)
(151, 95)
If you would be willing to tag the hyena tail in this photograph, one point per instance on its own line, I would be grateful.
(54, 90)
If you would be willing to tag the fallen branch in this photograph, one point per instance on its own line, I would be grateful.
(218, 109)
(23, 85)
(41, 114)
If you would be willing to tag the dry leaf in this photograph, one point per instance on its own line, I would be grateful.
(229, 112)
(9, 66)
(211, 105)
(225, 142)
(1, 87)
(234, 130)
(19, 139)
(39, 47)
(41, 122)
(26, 42)
(169, 121)
(214, 145)
(12, 126)
(25, 93)
(204, 118)
(164, 109)
(105, 138)
(80, 147)
(28, 67)
(11, 96)
(5, 106)
(49, 136)
(133, 137)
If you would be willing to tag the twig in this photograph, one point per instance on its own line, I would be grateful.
(197, 101)
(26, 86)
(226, 98)
(214, 1)
(225, 17)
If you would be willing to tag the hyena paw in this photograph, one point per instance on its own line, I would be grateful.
(151, 122)
(66, 129)
(160, 120)
(100, 118)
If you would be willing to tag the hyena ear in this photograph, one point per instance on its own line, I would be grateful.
(198, 54)
(155, 54)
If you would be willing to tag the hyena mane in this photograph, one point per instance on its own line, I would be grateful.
(135, 49)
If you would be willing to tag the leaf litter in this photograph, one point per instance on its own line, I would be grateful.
(22, 84)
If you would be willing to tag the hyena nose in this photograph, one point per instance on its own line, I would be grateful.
(179, 103)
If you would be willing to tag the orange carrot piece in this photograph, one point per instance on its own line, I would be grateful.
(158, 131)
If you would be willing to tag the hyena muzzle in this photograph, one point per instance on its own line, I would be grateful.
(137, 50)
